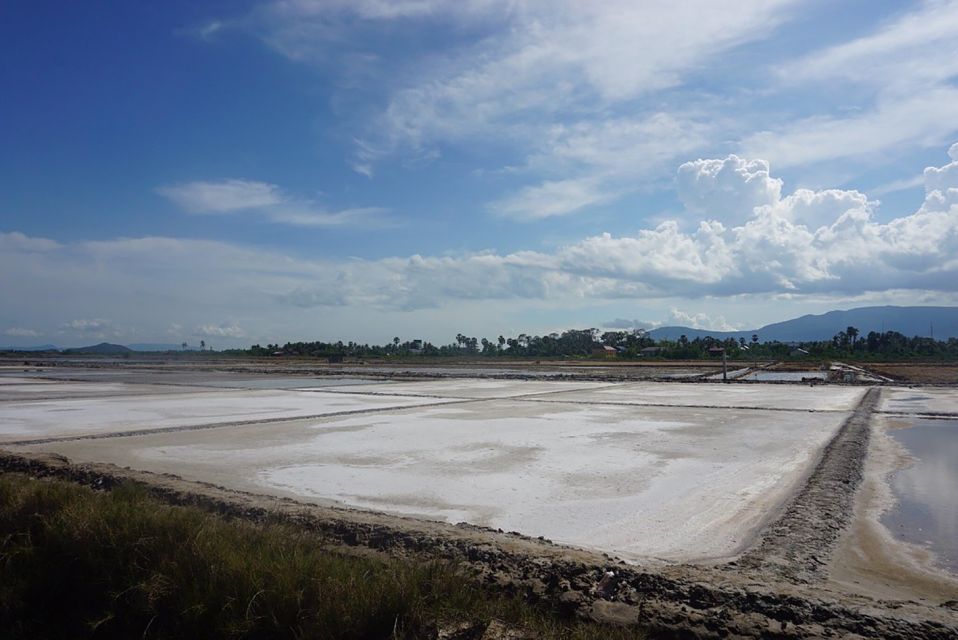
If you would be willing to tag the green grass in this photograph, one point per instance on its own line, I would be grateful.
(75, 563)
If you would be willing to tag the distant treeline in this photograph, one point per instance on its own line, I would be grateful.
(629, 344)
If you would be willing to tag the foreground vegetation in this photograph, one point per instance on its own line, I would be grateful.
(76, 563)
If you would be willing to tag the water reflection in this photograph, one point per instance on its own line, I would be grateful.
(927, 490)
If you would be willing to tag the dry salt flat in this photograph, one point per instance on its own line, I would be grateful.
(671, 482)
(59, 390)
(773, 396)
(919, 400)
(468, 387)
(6, 380)
(27, 419)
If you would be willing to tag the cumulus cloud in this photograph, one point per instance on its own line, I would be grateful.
(943, 178)
(20, 332)
(728, 190)
(699, 321)
(268, 201)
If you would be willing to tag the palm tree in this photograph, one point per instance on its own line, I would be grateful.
(852, 333)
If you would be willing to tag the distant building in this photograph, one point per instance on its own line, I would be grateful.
(604, 351)
(650, 351)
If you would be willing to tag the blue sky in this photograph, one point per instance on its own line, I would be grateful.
(262, 171)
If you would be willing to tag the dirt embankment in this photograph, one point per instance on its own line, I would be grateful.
(924, 373)
(797, 545)
(764, 598)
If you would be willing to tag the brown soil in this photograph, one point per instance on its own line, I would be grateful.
(918, 373)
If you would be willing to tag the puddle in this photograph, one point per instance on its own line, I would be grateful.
(927, 491)
(732, 374)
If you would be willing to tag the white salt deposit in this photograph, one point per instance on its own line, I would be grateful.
(638, 481)
(48, 389)
(472, 387)
(795, 397)
(11, 380)
(70, 417)
(920, 400)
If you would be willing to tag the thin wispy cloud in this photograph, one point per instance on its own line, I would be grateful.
(269, 202)
(20, 332)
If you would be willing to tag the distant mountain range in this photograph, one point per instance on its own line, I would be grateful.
(37, 347)
(105, 348)
(910, 321)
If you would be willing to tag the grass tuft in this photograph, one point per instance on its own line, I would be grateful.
(82, 564)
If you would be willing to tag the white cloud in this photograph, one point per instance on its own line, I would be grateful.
(699, 321)
(364, 217)
(728, 190)
(20, 332)
(899, 81)
(16, 241)
(611, 158)
(592, 101)
(625, 323)
(919, 48)
(898, 185)
(553, 198)
(226, 196)
(269, 201)
(924, 119)
(943, 178)
(553, 56)
(556, 81)
(87, 325)
(225, 330)
(815, 209)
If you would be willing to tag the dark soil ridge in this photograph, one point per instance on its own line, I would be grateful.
(796, 547)
(678, 601)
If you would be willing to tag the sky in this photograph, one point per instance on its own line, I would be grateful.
(242, 172)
